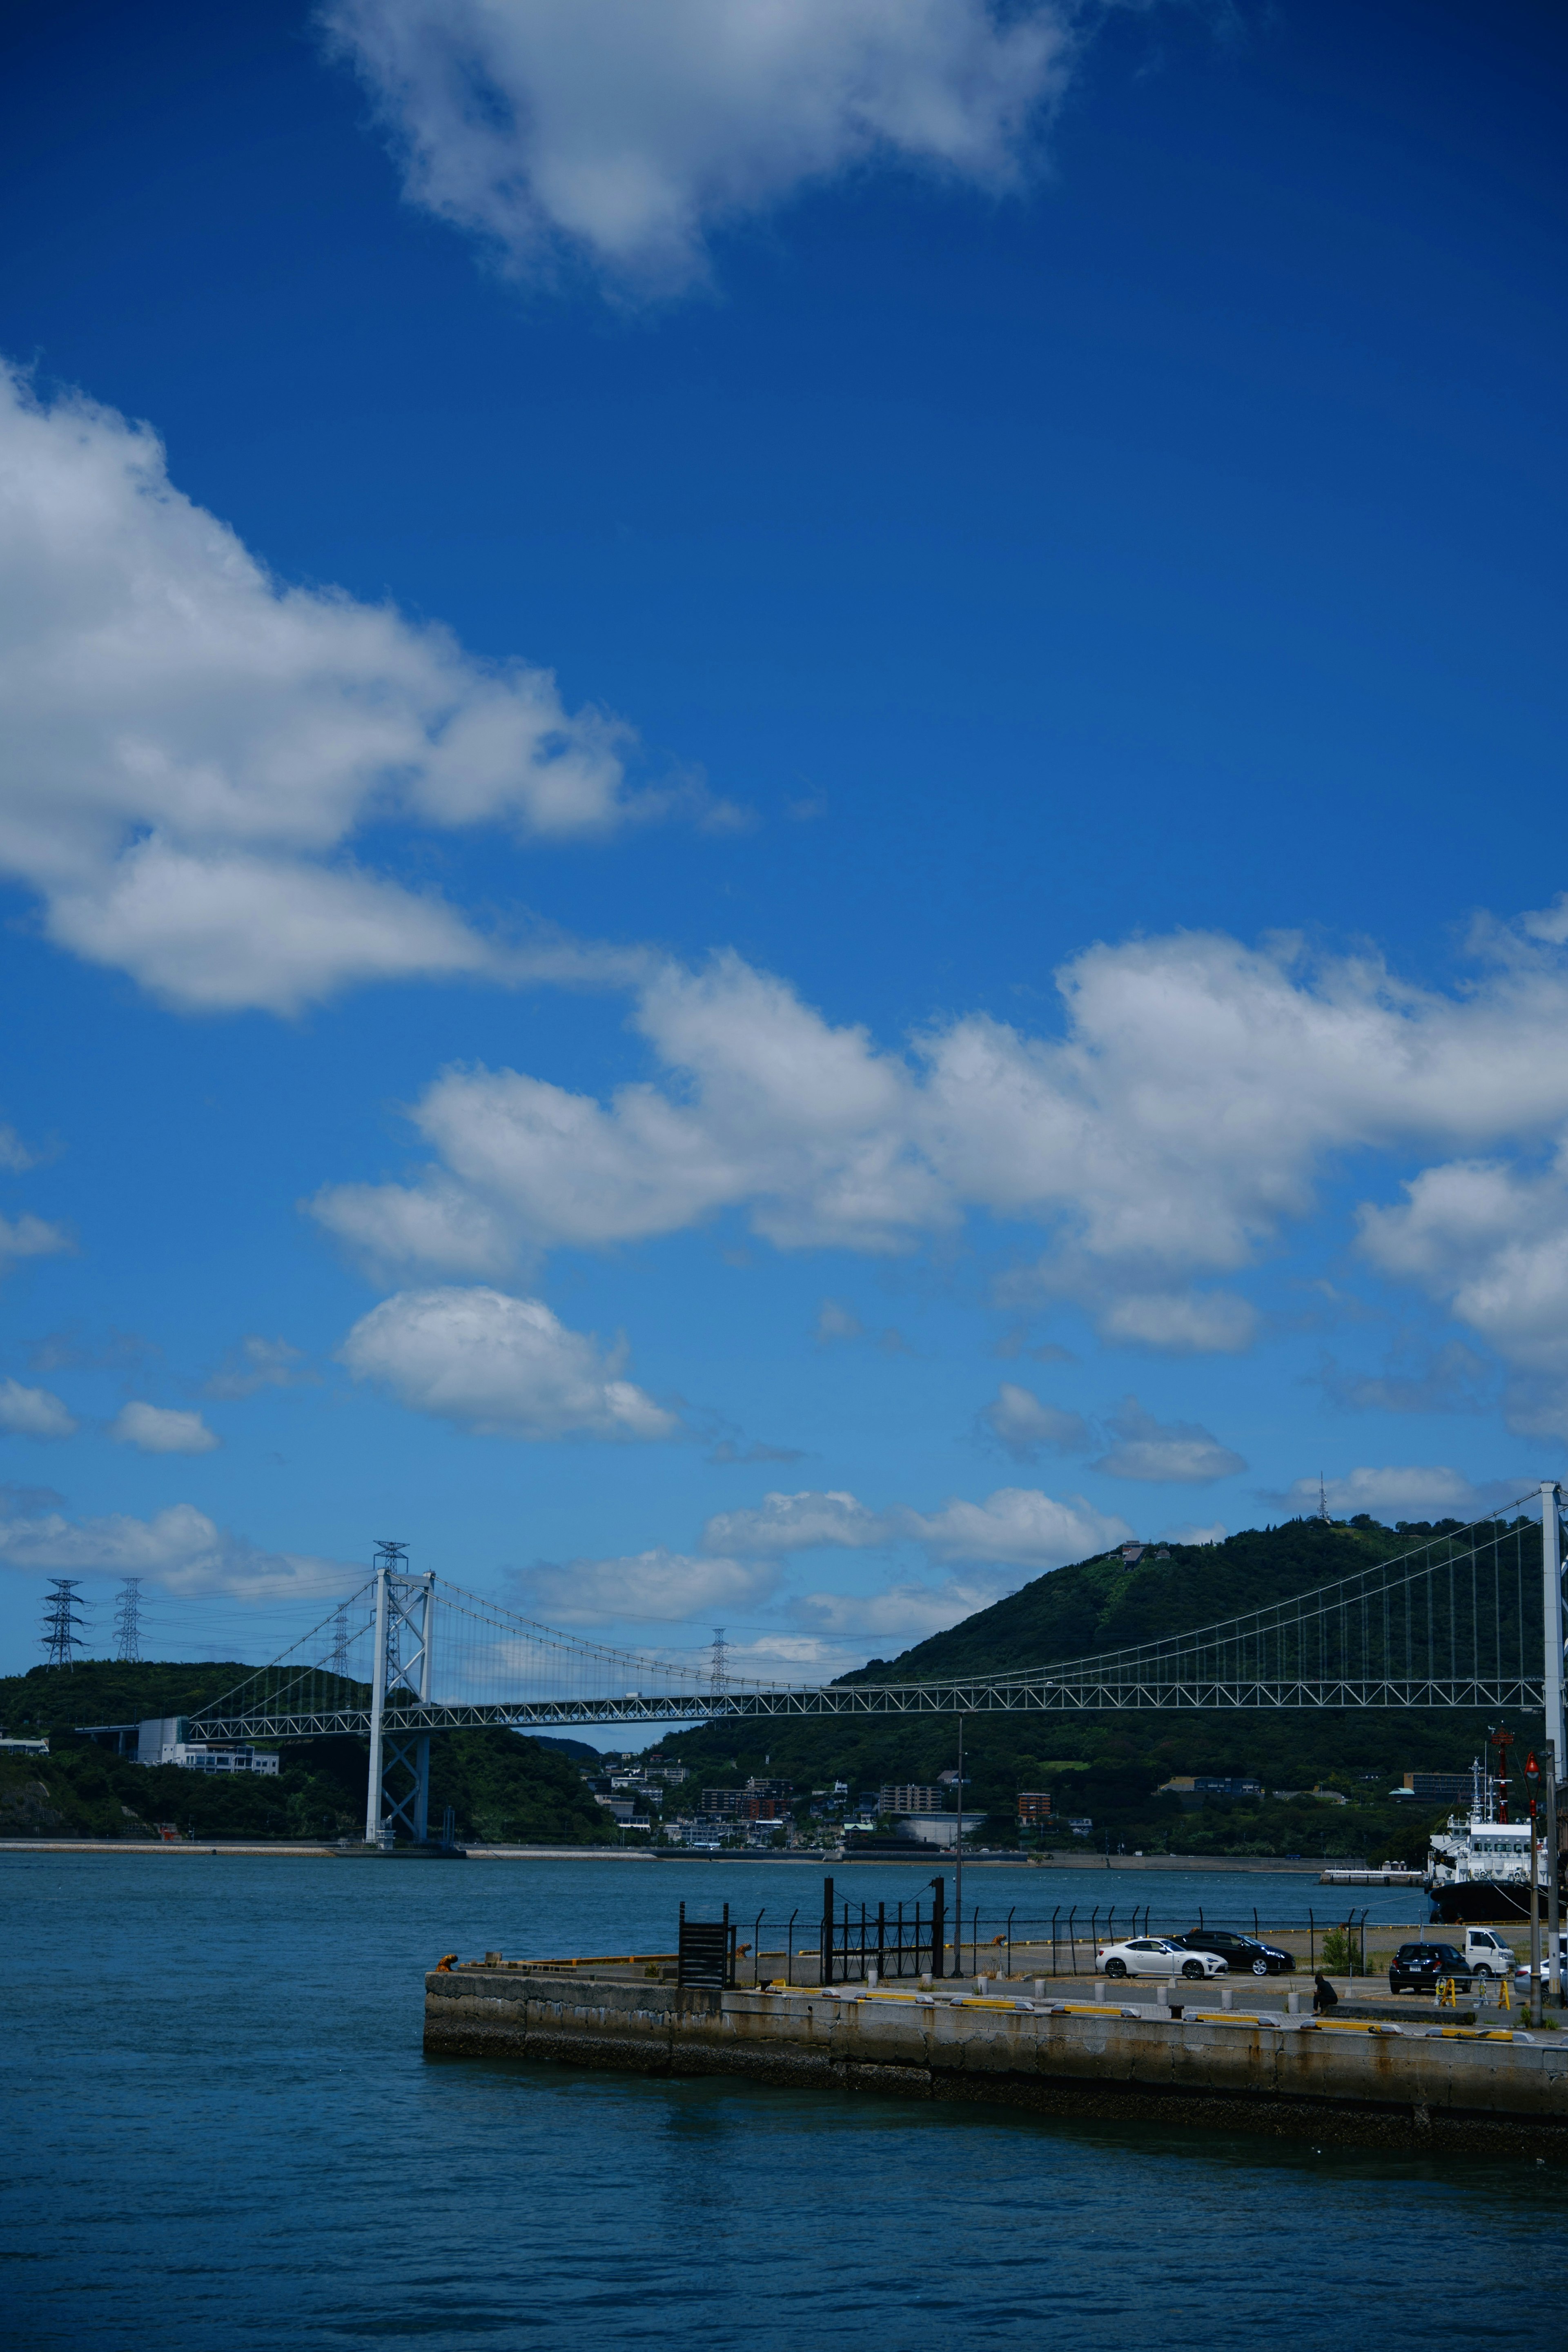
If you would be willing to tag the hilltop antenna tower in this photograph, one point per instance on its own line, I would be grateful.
(719, 1676)
(1322, 1501)
(128, 1622)
(62, 1616)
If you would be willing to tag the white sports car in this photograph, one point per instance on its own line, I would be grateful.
(1151, 1956)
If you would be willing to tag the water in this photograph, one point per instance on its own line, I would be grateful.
(220, 2131)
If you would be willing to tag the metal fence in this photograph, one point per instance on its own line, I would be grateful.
(910, 1940)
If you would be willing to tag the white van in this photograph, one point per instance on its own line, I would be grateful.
(1485, 1954)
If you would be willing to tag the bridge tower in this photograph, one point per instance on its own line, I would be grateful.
(397, 1794)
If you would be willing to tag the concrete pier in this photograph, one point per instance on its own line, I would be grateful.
(1451, 2087)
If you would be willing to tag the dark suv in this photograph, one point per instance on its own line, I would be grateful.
(1416, 1968)
(1245, 1955)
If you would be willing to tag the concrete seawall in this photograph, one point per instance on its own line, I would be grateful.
(1432, 2088)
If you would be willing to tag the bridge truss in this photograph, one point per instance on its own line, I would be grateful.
(1471, 1619)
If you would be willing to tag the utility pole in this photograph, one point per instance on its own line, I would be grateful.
(1552, 1614)
(128, 1622)
(1554, 1866)
(958, 1859)
(61, 1618)
(1531, 1781)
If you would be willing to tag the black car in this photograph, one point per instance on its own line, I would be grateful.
(1416, 1968)
(1245, 1953)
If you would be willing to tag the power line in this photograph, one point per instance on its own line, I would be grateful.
(61, 1619)
(128, 1622)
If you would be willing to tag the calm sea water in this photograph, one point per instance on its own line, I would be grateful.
(220, 2132)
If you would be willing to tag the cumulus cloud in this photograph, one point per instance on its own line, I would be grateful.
(1022, 1425)
(647, 1587)
(1395, 1493)
(796, 1523)
(14, 1156)
(179, 1549)
(34, 1413)
(903, 1614)
(191, 749)
(625, 134)
(159, 1429)
(1200, 1090)
(835, 1322)
(23, 1237)
(1177, 1452)
(1017, 1525)
(256, 1364)
(1490, 1240)
(500, 1365)
(1214, 1532)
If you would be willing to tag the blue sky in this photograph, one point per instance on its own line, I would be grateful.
(779, 811)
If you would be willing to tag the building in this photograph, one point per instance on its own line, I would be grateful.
(913, 1800)
(161, 1739)
(721, 1800)
(1034, 1805)
(939, 1828)
(1191, 1788)
(1441, 1788)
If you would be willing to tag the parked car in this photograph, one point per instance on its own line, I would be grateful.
(1521, 1973)
(1243, 1955)
(1417, 1967)
(1156, 1956)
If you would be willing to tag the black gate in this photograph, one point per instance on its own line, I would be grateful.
(706, 1955)
(899, 1939)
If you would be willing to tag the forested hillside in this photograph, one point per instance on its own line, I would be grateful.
(1109, 1767)
(502, 1788)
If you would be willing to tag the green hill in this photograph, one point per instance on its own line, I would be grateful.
(1109, 1767)
(503, 1788)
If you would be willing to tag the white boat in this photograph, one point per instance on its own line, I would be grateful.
(1478, 1868)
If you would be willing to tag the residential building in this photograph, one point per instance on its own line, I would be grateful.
(1034, 1805)
(911, 1800)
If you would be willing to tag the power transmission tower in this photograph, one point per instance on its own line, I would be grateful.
(128, 1622)
(719, 1676)
(338, 1656)
(1322, 1499)
(61, 1619)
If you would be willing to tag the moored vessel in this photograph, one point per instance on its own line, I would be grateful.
(1478, 1868)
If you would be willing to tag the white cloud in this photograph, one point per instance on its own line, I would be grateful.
(31, 1237)
(180, 1549)
(1184, 1118)
(627, 133)
(1178, 1323)
(797, 1523)
(190, 748)
(1190, 1532)
(837, 1321)
(34, 1413)
(256, 1364)
(1020, 1422)
(14, 1156)
(905, 1613)
(1490, 1241)
(1017, 1525)
(1178, 1453)
(1412, 1493)
(501, 1365)
(159, 1429)
(646, 1588)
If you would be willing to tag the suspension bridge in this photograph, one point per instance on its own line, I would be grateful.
(1471, 1619)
